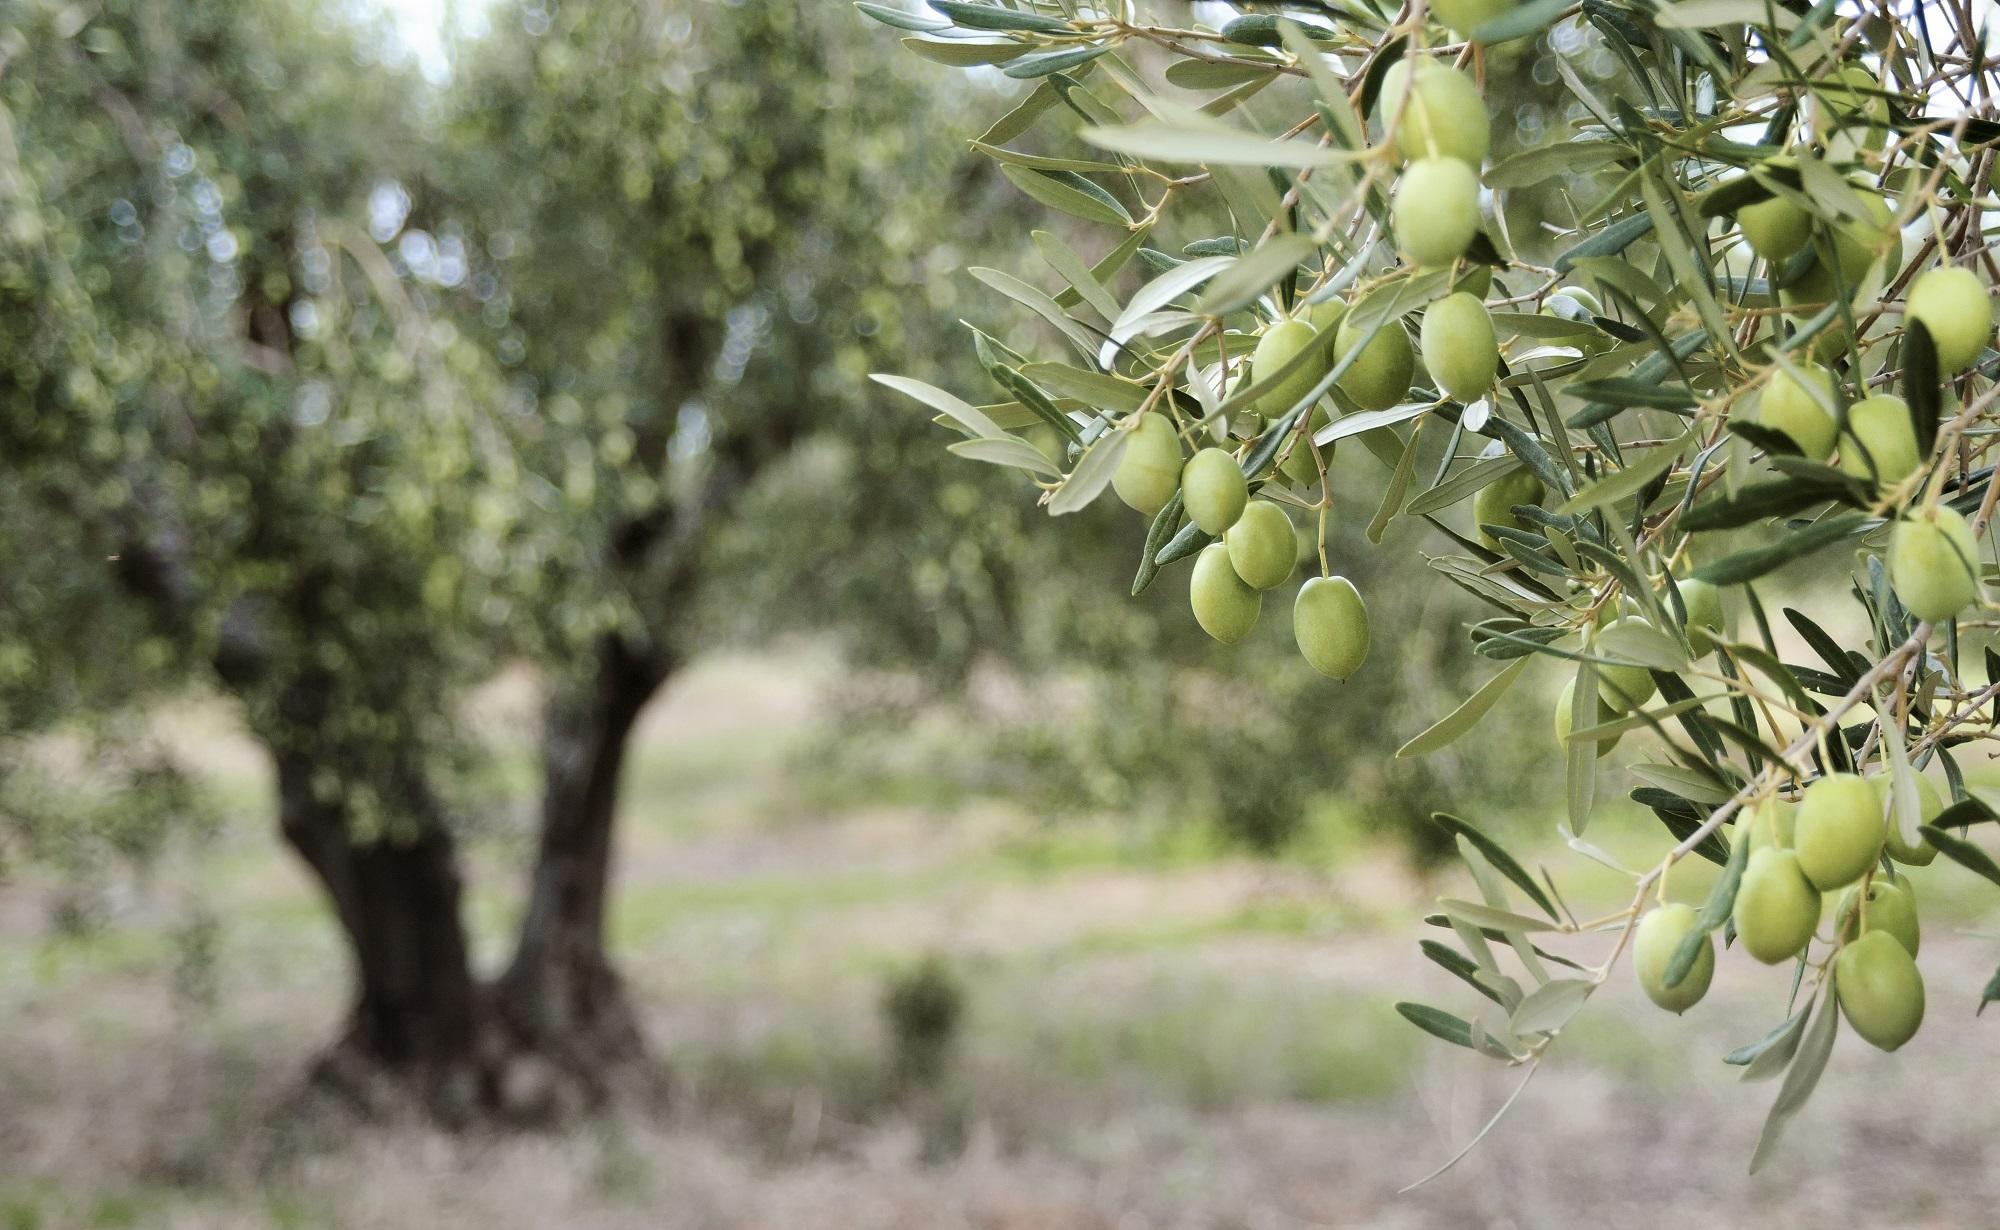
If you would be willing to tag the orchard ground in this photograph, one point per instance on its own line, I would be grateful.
(1158, 1033)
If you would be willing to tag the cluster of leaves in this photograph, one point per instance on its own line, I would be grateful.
(1649, 348)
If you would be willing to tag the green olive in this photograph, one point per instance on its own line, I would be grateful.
(1850, 99)
(1952, 304)
(1855, 245)
(1795, 408)
(1565, 722)
(1775, 228)
(1496, 501)
(1839, 832)
(1213, 490)
(1224, 606)
(1435, 213)
(1277, 347)
(1437, 112)
(1929, 805)
(1325, 314)
(1704, 614)
(1625, 687)
(1262, 545)
(1892, 908)
(1331, 624)
(1776, 906)
(1460, 351)
(1477, 281)
(1880, 991)
(1465, 16)
(1934, 564)
(1770, 824)
(1149, 472)
(1879, 441)
(1659, 935)
(1380, 375)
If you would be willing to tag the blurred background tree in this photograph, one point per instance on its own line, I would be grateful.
(342, 392)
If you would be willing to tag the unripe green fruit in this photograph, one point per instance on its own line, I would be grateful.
(1856, 245)
(1380, 375)
(1776, 906)
(1496, 501)
(1436, 211)
(1331, 624)
(1443, 117)
(1839, 833)
(1659, 935)
(1770, 824)
(1213, 490)
(1775, 228)
(1881, 426)
(1280, 343)
(1224, 606)
(1934, 564)
(1892, 909)
(1465, 16)
(1149, 472)
(1625, 687)
(1477, 281)
(1953, 307)
(1565, 723)
(1929, 805)
(1845, 101)
(1325, 314)
(1704, 614)
(1793, 407)
(1802, 407)
(1881, 993)
(1262, 545)
(1460, 351)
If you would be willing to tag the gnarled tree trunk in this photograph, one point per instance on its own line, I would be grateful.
(561, 1003)
(415, 1022)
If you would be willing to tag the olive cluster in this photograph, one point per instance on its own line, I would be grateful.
(1840, 835)
(1433, 122)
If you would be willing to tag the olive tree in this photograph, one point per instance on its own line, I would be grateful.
(1722, 318)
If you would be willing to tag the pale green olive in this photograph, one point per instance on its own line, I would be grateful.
(1659, 936)
(1839, 831)
(1704, 614)
(1929, 805)
(1892, 908)
(1881, 993)
(1224, 606)
(1465, 16)
(1437, 112)
(1380, 375)
(1149, 471)
(1277, 347)
(1953, 306)
(1775, 228)
(1331, 624)
(1625, 687)
(1213, 490)
(1496, 501)
(1800, 409)
(1435, 212)
(1262, 545)
(1934, 564)
(1459, 348)
(1565, 722)
(1879, 441)
(1776, 906)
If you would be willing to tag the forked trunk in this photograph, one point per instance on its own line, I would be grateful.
(561, 1003)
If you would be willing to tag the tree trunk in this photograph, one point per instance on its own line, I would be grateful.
(569, 1026)
(415, 1021)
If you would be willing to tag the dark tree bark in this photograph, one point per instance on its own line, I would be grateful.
(415, 1021)
(561, 1000)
